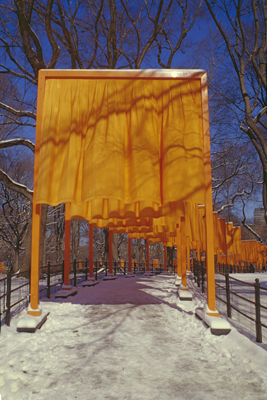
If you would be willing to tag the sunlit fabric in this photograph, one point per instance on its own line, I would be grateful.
(155, 237)
(229, 238)
(237, 243)
(140, 230)
(126, 148)
(249, 251)
(192, 222)
(115, 210)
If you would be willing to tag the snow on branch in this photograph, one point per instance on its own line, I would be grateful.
(233, 199)
(247, 226)
(17, 187)
(17, 142)
(261, 113)
(17, 112)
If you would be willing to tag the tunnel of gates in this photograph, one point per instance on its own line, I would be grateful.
(130, 151)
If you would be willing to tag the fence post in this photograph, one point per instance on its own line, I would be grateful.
(106, 264)
(228, 302)
(74, 270)
(48, 281)
(8, 298)
(202, 279)
(115, 268)
(258, 311)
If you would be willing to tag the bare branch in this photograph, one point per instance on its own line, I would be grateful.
(247, 226)
(17, 187)
(17, 112)
(17, 142)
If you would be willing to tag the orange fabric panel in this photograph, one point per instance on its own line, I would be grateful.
(264, 252)
(124, 141)
(237, 241)
(244, 249)
(116, 209)
(190, 221)
(249, 250)
(229, 238)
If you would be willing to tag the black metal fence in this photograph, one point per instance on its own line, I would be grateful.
(237, 268)
(14, 295)
(242, 301)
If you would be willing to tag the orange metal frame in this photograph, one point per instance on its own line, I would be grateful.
(117, 74)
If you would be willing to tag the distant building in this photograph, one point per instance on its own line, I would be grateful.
(259, 216)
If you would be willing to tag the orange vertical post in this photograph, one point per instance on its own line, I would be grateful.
(188, 234)
(179, 259)
(130, 254)
(197, 232)
(91, 251)
(188, 253)
(35, 260)
(165, 257)
(183, 252)
(67, 247)
(210, 267)
(110, 270)
(34, 308)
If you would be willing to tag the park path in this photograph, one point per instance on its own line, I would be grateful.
(129, 339)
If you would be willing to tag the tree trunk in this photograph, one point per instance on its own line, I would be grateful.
(140, 251)
(115, 255)
(106, 233)
(26, 265)
(74, 239)
(16, 260)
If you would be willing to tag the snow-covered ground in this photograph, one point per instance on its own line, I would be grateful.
(129, 339)
(243, 299)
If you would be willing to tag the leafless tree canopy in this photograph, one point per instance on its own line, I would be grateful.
(228, 39)
(243, 27)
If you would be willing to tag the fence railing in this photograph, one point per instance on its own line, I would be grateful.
(14, 296)
(236, 268)
(15, 288)
(240, 298)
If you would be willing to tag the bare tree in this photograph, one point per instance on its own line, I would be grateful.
(15, 208)
(235, 176)
(14, 221)
(51, 34)
(243, 28)
(55, 232)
